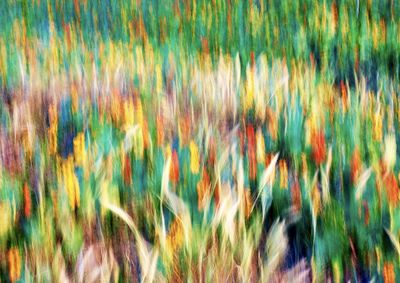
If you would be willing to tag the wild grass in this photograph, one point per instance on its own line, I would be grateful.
(201, 141)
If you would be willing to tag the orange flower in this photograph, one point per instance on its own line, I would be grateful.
(175, 234)
(382, 25)
(212, 153)
(283, 173)
(312, 60)
(304, 166)
(392, 189)
(202, 190)
(77, 9)
(185, 130)
(268, 159)
(335, 14)
(355, 165)
(52, 131)
(174, 171)
(296, 195)
(388, 273)
(343, 90)
(366, 212)
(318, 146)
(55, 204)
(241, 142)
(145, 134)
(14, 264)
(272, 123)
(316, 199)
(204, 44)
(248, 203)
(252, 60)
(217, 195)
(251, 139)
(27, 201)
(160, 130)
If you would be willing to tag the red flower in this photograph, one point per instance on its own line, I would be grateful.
(174, 170)
(127, 170)
(251, 143)
(217, 195)
(252, 59)
(318, 147)
(343, 90)
(27, 201)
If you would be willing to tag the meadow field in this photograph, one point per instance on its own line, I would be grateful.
(199, 141)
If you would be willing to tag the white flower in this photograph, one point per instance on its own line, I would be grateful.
(390, 151)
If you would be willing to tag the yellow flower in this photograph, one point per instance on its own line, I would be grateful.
(377, 127)
(138, 143)
(128, 113)
(27, 142)
(79, 149)
(75, 99)
(194, 157)
(159, 83)
(71, 183)
(116, 107)
(249, 92)
(375, 34)
(52, 132)
(167, 151)
(175, 236)
(3, 61)
(337, 272)
(5, 218)
(139, 113)
(260, 147)
(304, 166)
(283, 173)
(316, 199)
